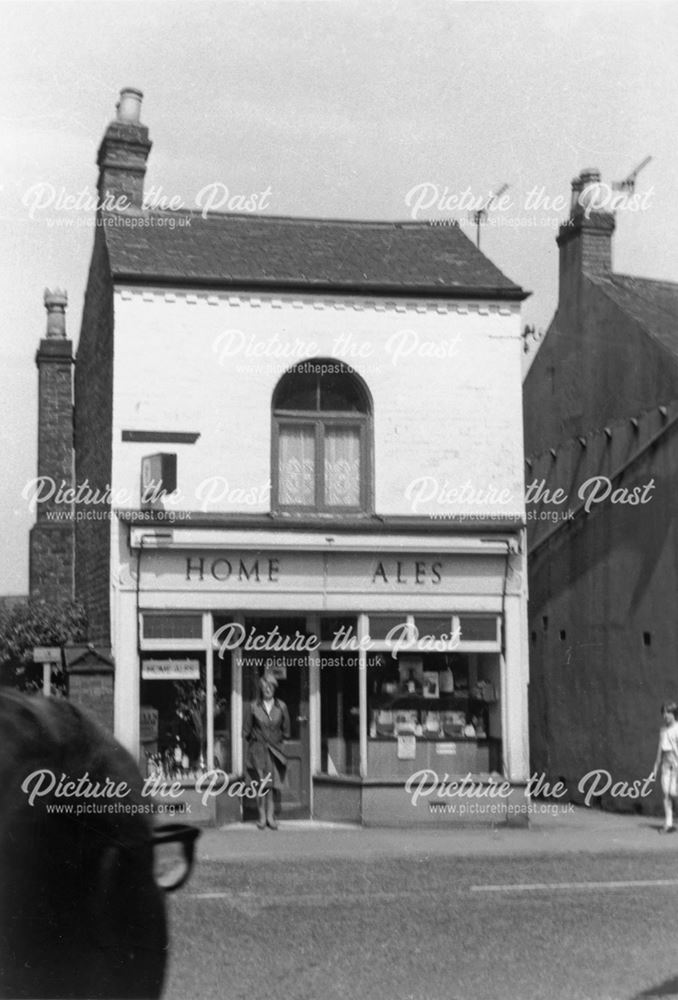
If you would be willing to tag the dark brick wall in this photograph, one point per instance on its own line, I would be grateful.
(51, 547)
(51, 561)
(93, 692)
(55, 412)
(93, 442)
(604, 634)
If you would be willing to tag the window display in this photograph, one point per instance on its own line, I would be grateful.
(173, 715)
(434, 696)
(443, 700)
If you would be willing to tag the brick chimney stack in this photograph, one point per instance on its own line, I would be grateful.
(51, 570)
(123, 154)
(585, 240)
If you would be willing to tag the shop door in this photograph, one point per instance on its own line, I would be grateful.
(293, 690)
(291, 672)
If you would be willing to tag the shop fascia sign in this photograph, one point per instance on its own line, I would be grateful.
(222, 569)
(170, 670)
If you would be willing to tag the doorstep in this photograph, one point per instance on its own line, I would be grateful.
(296, 825)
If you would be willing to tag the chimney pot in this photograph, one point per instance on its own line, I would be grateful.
(576, 191)
(588, 181)
(129, 106)
(589, 175)
(581, 197)
(123, 154)
(56, 300)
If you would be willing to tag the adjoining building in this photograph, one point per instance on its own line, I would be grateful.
(305, 437)
(600, 410)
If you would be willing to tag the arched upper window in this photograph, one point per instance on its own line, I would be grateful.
(321, 439)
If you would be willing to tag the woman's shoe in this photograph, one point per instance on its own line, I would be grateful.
(270, 812)
(261, 824)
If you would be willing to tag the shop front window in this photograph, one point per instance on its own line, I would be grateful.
(426, 706)
(172, 715)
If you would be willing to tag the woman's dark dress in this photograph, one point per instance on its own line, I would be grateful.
(264, 736)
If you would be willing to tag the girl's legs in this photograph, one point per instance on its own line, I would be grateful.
(261, 807)
(667, 790)
(668, 812)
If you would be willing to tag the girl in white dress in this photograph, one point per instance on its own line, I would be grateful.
(666, 762)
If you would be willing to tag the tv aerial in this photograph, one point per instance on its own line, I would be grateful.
(629, 183)
(531, 333)
(480, 215)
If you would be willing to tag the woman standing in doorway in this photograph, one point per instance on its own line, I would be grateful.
(266, 727)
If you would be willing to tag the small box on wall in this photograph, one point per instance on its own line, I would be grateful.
(158, 477)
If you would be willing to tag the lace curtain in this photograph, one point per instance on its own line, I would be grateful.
(342, 466)
(296, 466)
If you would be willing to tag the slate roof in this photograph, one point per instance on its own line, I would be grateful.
(87, 659)
(9, 601)
(254, 251)
(654, 304)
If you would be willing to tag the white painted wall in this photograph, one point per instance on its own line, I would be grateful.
(445, 380)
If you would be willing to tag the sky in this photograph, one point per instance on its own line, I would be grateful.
(338, 109)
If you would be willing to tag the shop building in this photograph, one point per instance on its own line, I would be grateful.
(311, 435)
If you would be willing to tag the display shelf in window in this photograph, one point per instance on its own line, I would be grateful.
(434, 696)
(452, 717)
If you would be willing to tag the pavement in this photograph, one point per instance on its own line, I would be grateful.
(570, 829)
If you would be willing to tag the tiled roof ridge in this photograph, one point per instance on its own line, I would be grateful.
(296, 219)
(661, 282)
(641, 307)
(623, 281)
(638, 308)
